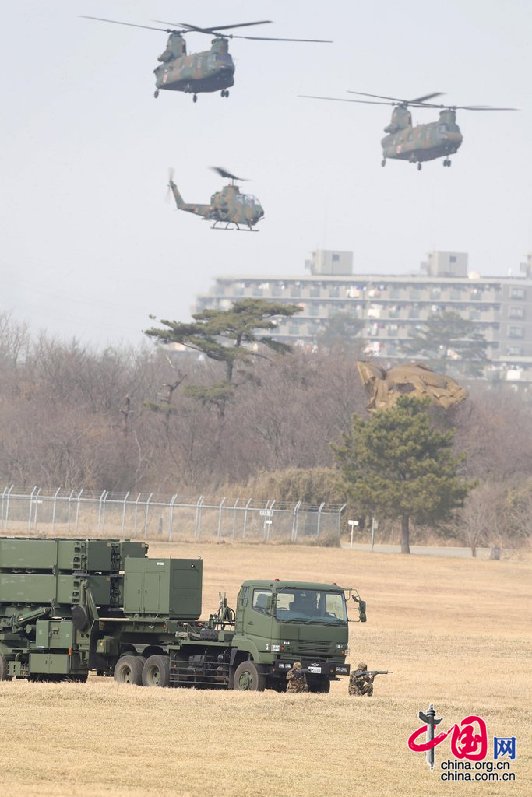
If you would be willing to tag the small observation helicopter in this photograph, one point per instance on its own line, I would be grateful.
(227, 206)
(199, 73)
(418, 143)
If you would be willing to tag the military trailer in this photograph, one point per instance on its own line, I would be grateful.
(68, 607)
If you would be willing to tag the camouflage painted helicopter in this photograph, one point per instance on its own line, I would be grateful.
(199, 73)
(418, 143)
(227, 206)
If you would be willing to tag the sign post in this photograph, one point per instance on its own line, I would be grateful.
(352, 524)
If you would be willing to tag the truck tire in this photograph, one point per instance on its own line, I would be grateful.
(156, 671)
(4, 669)
(128, 669)
(248, 678)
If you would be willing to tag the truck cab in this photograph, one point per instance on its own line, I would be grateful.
(280, 622)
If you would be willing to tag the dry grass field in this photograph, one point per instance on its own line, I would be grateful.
(455, 632)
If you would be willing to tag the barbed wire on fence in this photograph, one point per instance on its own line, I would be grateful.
(165, 517)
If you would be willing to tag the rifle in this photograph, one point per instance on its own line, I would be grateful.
(372, 673)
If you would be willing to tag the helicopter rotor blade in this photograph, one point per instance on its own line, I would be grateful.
(278, 39)
(213, 29)
(345, 99)
(398, 100)
(482, 108)
(424, 98)
(128, 24)
(224, 173)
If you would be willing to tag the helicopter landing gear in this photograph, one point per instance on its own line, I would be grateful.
(224, 93)
(383, 162)
(419, 166)
(447, 162)
(194, 98)
(156, 93)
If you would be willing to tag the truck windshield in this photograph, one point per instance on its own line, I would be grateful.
(311, 606)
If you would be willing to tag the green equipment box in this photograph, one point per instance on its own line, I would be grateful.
(169, 587)
(87, 556)
(47, 588)
(54, 634)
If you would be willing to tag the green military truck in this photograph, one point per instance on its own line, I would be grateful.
(68, 607)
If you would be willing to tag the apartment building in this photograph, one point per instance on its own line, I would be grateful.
(391, 307)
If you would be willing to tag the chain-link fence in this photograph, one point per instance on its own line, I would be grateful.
(151, 516)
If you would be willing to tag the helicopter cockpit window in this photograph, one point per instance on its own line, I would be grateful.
(244, 199)
(442, 128)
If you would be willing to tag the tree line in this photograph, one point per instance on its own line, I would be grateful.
(170, 417)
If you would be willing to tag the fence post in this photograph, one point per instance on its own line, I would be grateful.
(246, 518)
(135, 513)
(5, 518)
(222, 502)
(171, 529)
(320, 510)
(124, 505)
(77, 509)
(69, 508)
(31, 507)
(54, 508)
(101, 508)
(197, 530)
(295, 521)
(234, 516)
(339, 520)
(146, 511)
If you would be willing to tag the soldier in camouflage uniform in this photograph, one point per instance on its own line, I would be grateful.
(360, 682)
(295, 679)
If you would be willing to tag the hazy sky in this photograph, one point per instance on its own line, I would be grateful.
(88, 245)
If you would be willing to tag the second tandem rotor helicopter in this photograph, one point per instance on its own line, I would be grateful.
(417, 143)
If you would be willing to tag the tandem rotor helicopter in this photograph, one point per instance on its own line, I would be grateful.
(227, 206)
(199, 73)
(417, 143)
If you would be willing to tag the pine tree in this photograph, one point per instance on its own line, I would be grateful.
(228, 336)
(448, 338)
(396, 465)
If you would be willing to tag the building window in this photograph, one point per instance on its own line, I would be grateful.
(516, 312)
(517, 293)
(515, 332)
(335, 258)
(452, 259)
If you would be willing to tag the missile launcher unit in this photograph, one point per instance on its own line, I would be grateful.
(68, 607)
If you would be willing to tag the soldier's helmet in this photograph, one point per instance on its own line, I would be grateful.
(297, 665)
(362, 665)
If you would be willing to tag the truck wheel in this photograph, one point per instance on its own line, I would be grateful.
(156, 671)
(4, 669)
(128, 670)
(247, 677)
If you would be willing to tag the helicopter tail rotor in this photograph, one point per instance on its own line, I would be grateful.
(173, 190)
